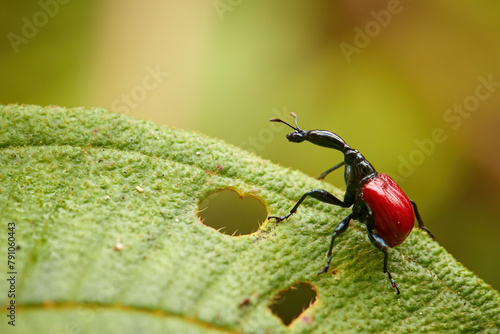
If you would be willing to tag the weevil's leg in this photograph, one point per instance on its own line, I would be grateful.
(382, 246)
(419, 219)
(319, 194)
(341, 227)
(324, 174)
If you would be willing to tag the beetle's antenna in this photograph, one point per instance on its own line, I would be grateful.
(281, 121)
(294, 115)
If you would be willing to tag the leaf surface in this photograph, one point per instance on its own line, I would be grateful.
(109, 241)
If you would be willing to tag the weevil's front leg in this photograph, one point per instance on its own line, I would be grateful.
(319, 194)
(324, 174)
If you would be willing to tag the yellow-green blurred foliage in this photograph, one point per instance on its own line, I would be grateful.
(385, 75)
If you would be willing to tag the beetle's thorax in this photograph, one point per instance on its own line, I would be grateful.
(361, 168)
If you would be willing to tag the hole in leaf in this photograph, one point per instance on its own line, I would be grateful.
(231, 214)
(290, 303)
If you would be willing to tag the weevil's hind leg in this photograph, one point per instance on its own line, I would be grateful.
(320, 195)
(419, 219)
(382, 246)
(341, 227)
(324, 174)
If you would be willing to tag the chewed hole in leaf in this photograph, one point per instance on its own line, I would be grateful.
(290, 303)
(232, 214)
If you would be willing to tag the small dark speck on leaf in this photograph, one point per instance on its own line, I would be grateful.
(307, 319)
(245, 302)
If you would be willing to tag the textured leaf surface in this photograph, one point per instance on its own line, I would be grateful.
(69, 181)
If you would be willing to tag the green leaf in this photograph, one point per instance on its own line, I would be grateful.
(96, 254)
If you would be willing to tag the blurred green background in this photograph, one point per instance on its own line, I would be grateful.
(385, 75)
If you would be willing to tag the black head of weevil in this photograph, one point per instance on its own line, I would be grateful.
(376, 199)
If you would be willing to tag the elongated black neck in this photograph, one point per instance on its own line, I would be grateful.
(327, 139)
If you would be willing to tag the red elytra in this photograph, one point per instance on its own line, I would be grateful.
(392, 210)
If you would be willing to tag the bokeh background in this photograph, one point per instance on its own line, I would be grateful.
(414, 85)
